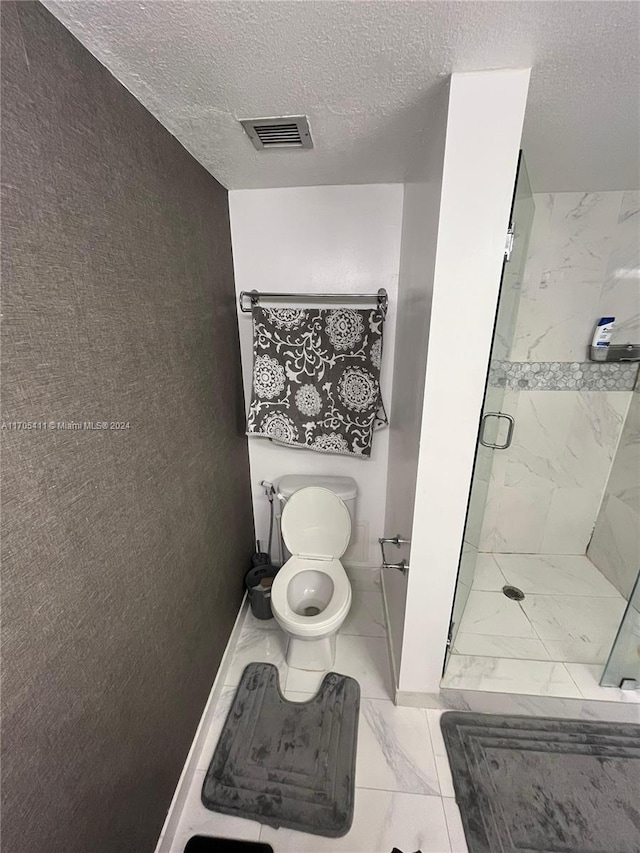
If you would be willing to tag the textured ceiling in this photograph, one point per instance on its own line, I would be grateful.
(367, 75)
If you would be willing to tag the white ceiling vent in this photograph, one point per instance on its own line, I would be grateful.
(278, 132)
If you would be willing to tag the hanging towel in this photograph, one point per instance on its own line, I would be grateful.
(316, 378)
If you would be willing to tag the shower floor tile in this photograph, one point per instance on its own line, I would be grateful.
(487, 575)
(588, 677)
(547, 574)
(507, 675)
(578, 651)
(521, 648)
(574, 617)
(571, 615)
(494, 614)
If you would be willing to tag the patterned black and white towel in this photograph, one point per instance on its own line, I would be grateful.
(316, 378)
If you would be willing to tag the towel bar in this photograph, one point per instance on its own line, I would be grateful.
(254, 297)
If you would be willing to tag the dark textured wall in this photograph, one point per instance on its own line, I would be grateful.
(122, 551)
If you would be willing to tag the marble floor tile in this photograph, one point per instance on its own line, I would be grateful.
(364, 658)
(522, 648)
(494, 614)
(366, 617)
(257, 644)
(440, 752)
(578, 651)
(487, 575)
(262, 624)
(196, 820)
(394, 749)
(363, 577)
(382, 820)
(587, 678)
(505, 675)
(220, 712)
(454, 825)
(548, 574)
(574, 617)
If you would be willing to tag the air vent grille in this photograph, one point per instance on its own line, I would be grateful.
(278, 132)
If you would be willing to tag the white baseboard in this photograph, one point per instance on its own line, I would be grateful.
(184, 783)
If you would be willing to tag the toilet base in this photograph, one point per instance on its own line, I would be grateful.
(316, 655)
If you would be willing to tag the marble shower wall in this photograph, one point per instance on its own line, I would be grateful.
(615, 546)
(583, 256)
(546, 489)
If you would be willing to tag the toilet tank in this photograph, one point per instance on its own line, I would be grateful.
(345, 488)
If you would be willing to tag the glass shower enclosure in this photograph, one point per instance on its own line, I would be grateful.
(623, 666)
(553, 518)
(496, 428)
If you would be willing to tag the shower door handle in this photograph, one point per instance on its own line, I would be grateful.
(483, 424)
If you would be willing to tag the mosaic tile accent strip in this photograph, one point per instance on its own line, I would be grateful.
(563, 376)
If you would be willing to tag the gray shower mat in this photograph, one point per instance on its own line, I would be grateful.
(531, 784)
(287, 763)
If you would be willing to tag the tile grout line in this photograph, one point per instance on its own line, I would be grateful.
(433, 749)
(533, 627)
(577, 686)
(549, 594)
(397, 791)
(501, 636)
(563, 660)
(446, 821)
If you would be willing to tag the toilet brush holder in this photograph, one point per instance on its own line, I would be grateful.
(258, 582)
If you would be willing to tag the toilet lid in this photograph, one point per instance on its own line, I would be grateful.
(316, 523)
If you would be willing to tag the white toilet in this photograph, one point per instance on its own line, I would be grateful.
(311, 594)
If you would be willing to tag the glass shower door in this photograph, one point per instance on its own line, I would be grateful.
(623, 666)
(496, 427)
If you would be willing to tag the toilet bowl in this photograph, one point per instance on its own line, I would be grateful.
(311, 594)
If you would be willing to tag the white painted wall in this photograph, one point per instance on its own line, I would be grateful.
(415, 292)
(484, 127)
(320, 239)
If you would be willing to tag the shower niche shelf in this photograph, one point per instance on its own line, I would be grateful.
(615, 353)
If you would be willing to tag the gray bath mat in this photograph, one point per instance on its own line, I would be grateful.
(287, 763)
(536, 784)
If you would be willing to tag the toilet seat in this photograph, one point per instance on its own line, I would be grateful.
(333, 613)
(316, 528)
(316, 524)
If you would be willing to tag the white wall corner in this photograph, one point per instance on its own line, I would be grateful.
(484, 129)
